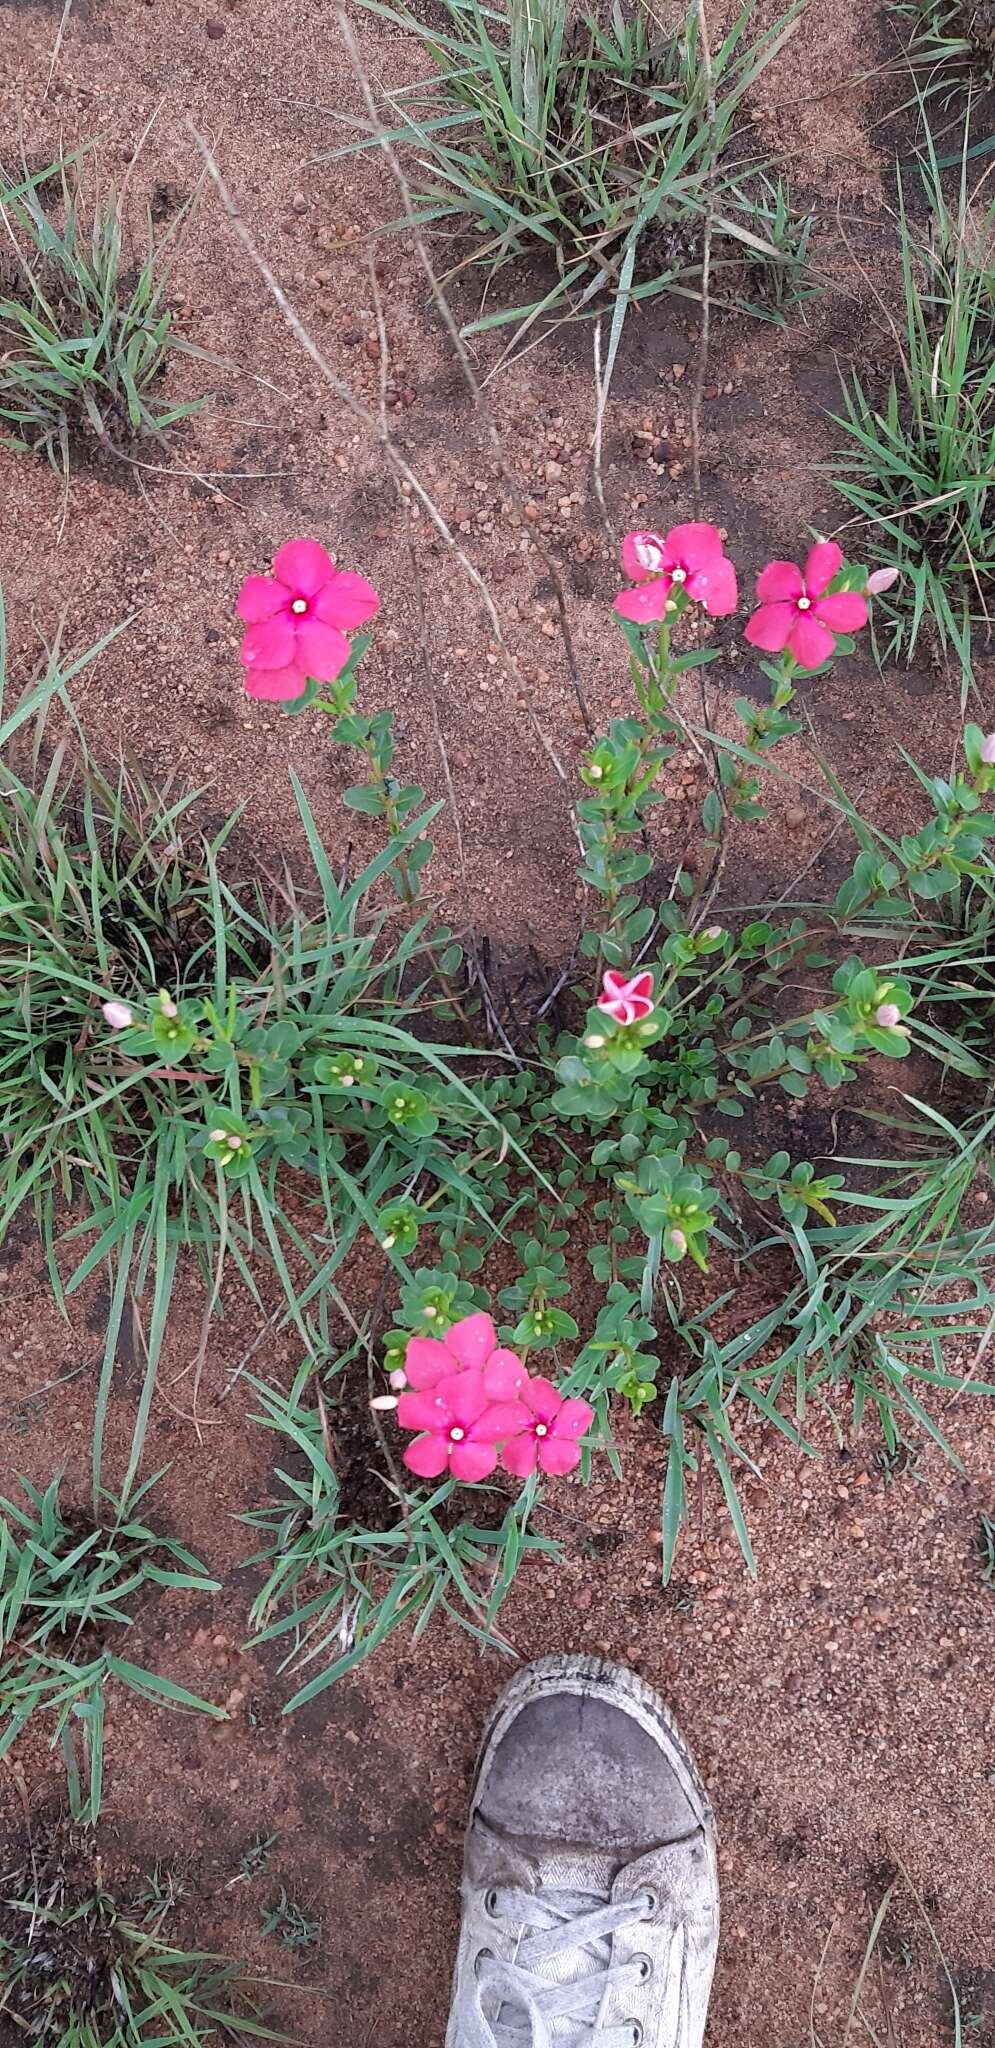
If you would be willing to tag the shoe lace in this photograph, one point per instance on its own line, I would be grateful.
(528, 2004)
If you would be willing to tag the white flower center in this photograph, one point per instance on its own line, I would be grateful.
(456, 1435)
(299, 606)
(648, 555)
(678, 575)
(541, 1429)
(804, 604)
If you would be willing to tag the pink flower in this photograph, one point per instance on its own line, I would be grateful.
(880, 580)
(297, 621)
(117, 1015)
(690, 556)
(987, 749)
(470, 1344)
(888, 1015)
(549, 1435)
(627, 999)
(461, 1427)
(795, 613)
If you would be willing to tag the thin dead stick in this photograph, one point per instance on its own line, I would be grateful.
(359, 411)
(701, 367)
(481, 406)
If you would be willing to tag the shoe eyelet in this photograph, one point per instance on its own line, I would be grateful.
(490, 1904)
(651, 1907)
(644, 1964)
(636, 2035)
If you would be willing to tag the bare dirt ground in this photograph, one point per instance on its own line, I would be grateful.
(841, 1708)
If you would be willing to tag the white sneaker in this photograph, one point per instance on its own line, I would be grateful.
(590, 1893)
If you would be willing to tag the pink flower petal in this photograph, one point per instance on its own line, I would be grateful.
(544, 1399)
(504, 1376)
(557, 1455)
(614, 982)
(646, 604)
(471, 1340)
(519, 1456)
(810, 643)
(714, 587)
(574, 1418)
(271, 644)
(638, 1007)
(780, 581)
(426, 1362)
(428, 1456)
(321, 650)
(641, 986)
(770, 626)
(844, 612)
(824, 562)
(463, 1394)
(695, 545)
(303, 566)
(637, 545)
(472, 1461)
(618, 1007)
(423, 1411)
(502, 1418)
(260, 598)
(275, 685)
(347, 601)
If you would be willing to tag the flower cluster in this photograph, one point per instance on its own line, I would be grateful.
(471, 1401)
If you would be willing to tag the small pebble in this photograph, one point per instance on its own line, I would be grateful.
(215, 29)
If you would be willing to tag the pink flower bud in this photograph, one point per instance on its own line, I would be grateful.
(988, 749)
(678, 1240)
(881, 579)
(713, 931)
(887, 1015)
(117, 1015)
(168, 1007)
(398, 1379)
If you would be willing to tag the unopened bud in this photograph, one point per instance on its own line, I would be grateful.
(714, 931)
(987, 755)
(389, 1241)
(398, 1378)
(595, 772)
(594, 1039)
(117, 1015)
(384, 1403)
(218, 1137)
(168, 1007)
(881, 579)
(678, 1240)
(887, 1015)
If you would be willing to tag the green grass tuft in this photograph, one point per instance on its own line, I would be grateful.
(86, 333)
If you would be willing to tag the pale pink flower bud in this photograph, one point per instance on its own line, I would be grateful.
(398, 1379)
(881, 579)
(117, 1015)
(713, 931)
(887, 1015)
(168, 1007)
(678, 1240)
(988, 750)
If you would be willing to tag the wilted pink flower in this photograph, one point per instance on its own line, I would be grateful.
(470, 1343)
(988, 750)
(796, 613)
(460, 1427)
(627, 998)
(887, 1015)
(549, 1433)
(297, 621)
(117, 1015)
(689, 557)
(881, 579)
